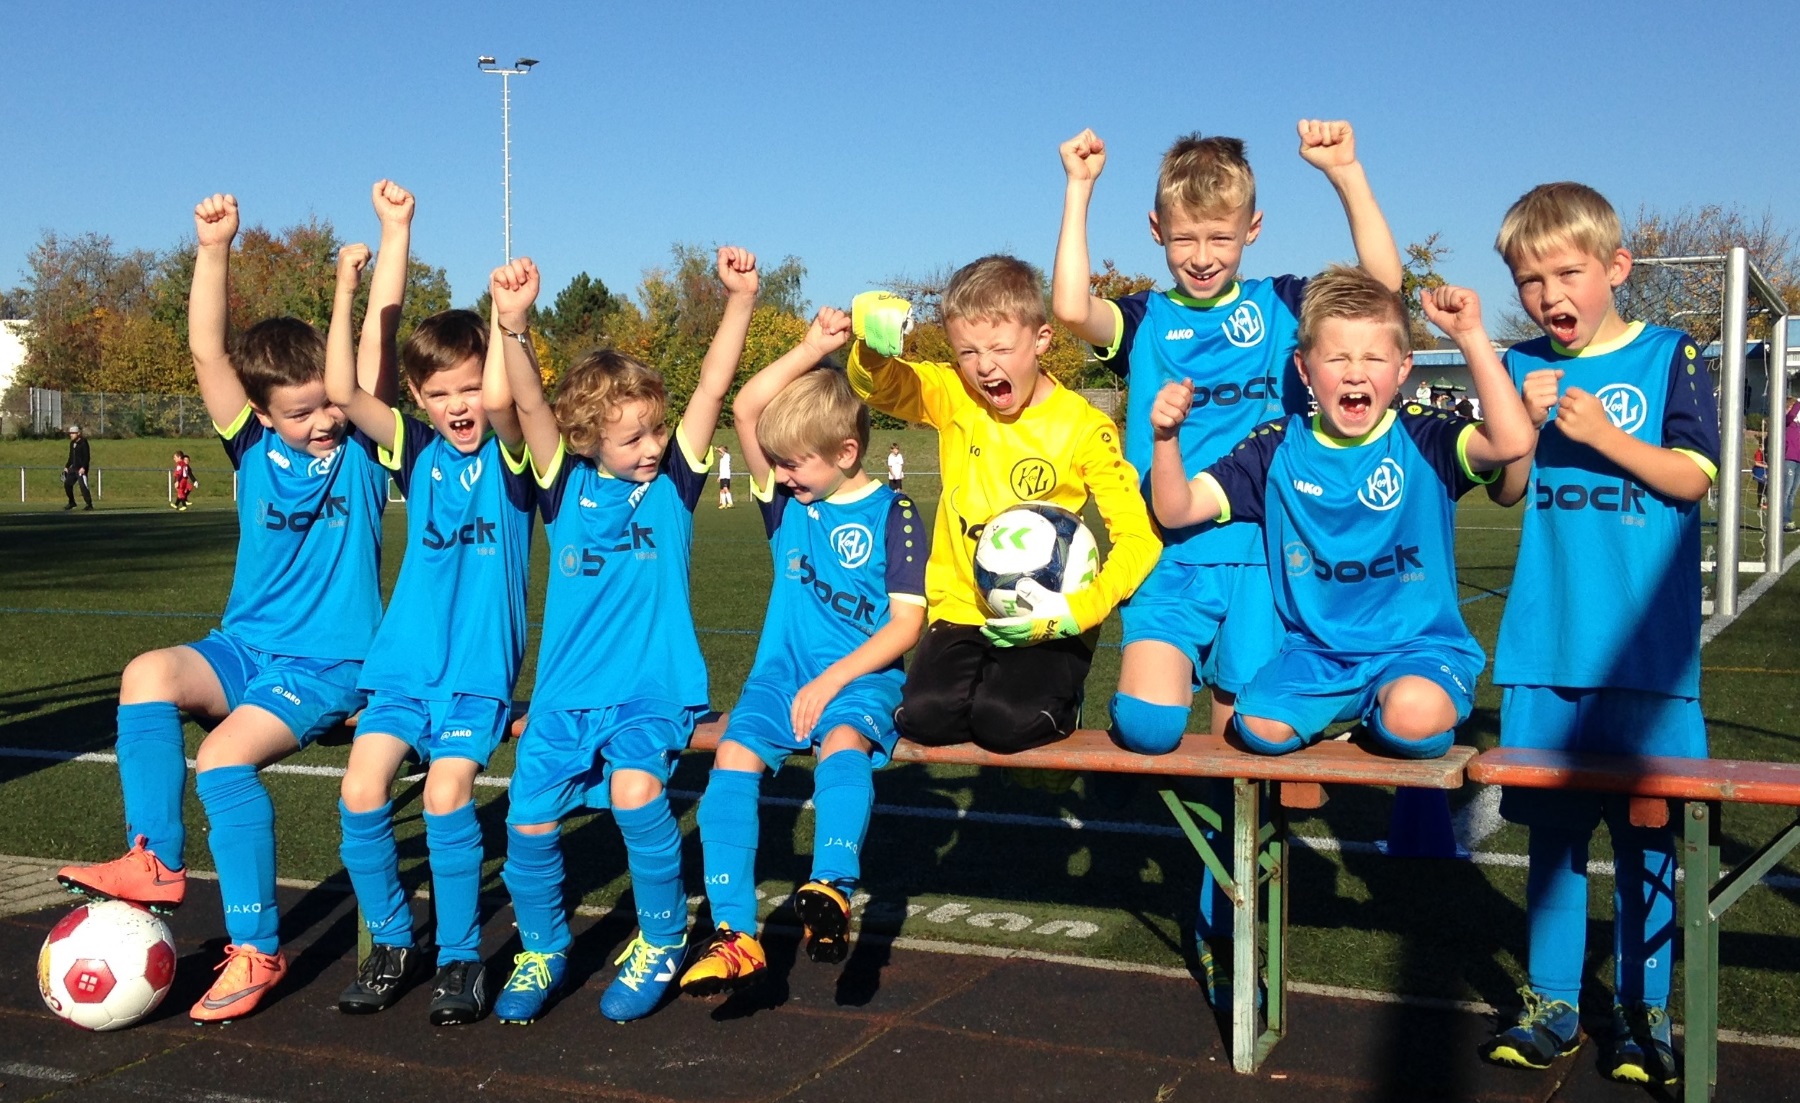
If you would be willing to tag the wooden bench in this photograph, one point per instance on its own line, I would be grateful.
(1702, 786)
(1262, 790)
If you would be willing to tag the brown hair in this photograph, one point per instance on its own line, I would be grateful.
(996, 287)
(277, 352)
(594, 388)
(1343, 291)
(441, 342)
(812, 416)
(1551, 216)
(1205, 177)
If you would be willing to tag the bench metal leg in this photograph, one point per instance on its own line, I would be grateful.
(1700, 928)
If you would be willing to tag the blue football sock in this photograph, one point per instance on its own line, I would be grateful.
(534, 879)
(1145, 727)
(653, 850)
(1432, 746)
(1644, 867)
(1556, 911)
(455, 842)
(729, 828)
(374, 866)
(241, 835)
(153, 772)
(843, 796)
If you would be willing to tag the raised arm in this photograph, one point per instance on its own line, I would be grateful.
(1330, 147)
(215, 225)
(367, 412)
(737, 271)
(1505, 433)
(496, 392)
(1088, 316)
(1178, 501)
(514, 287)
(829, 332)
(377, 365)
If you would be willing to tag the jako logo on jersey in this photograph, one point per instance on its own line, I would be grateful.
(280, 460)
(336, 505)
(286, 694)
(1305, 487)
(1624, 405)
(1403, 563)
(853, 544)
(854, 606)
(478, 531)
(1626, 497)
(459, 733)
(1230, 394)
(1244, 327)
(588, 503)
(1179, 335)
(1385, 486)
(638, 494)
(1032, 478)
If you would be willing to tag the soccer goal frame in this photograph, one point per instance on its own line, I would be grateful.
(1742, 280)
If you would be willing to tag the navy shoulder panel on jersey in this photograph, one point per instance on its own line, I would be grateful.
(1131, 312)
(774, 509)
(415, 437)
(908, 547)
(1690, 414)
(688, 483)
(1438, 435)
(550, 497)
(1243, 472)
(1291, 290)
(247, 432)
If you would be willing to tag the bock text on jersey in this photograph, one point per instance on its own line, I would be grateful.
(1607, 588)
(308, 576)
(456, 620)
(1238, 350)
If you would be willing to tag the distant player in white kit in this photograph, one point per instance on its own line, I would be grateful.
(896, 466)
(725, 501)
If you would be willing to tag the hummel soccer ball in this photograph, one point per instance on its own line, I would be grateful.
(1042, 542)
(106, 965)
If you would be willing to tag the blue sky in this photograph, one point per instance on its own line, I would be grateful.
(872, 140)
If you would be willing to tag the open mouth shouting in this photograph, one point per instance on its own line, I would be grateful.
(463, 431)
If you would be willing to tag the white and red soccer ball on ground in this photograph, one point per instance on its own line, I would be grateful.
(106, 965)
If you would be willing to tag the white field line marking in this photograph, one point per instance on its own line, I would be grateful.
(1320, 843)
(1477, 820)
(37, 1072)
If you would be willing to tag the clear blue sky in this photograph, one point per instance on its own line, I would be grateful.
(873, 140)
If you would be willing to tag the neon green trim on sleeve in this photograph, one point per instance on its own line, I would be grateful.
(1706, 465)
(1112, 350)
(765, 493)
(230, 432)
(1481, 478)
(697, 466)
(547, 474)
(515, 464)
(391, 460)
(1218, 492)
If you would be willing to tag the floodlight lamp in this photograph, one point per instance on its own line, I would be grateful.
(484, 59)
(526, 62)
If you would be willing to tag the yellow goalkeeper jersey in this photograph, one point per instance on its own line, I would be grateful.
(1059, 451)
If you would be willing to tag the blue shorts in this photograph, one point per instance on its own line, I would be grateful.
(1222, 617)
(1309, 690)
(1591, 721)
(565, 758)
(761, 723)
(310, 696)
(462, 727)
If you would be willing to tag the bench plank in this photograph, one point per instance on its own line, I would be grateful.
(1720, 779)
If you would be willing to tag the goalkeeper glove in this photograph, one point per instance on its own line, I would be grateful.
(1036, 614)
(881, 320)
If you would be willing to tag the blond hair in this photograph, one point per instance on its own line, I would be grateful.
(995, 288)
(1343, 291)
(594, 389)
(1205, 178)
(1553, 216)
(813, 416)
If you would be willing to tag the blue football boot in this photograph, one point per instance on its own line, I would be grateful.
(645, 974)
(1641, 1051)
(1546, 1030)
(535, 978)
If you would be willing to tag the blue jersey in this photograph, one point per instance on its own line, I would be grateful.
(839, 564)
(1359, 537)
(1239, 351)
(617, 622)
(308, 575)
(456, 620)
(1607, 588)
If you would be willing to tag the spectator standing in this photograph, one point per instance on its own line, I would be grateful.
(75, 471)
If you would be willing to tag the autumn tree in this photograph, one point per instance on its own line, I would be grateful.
(1690, 297)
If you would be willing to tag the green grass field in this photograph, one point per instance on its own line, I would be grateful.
(953, 854)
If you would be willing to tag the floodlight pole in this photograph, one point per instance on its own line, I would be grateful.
(520, 68)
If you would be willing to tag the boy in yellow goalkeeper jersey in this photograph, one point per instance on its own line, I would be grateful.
(1007, 433)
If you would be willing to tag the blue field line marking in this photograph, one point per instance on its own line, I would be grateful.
(215, 616)
(1484, 595)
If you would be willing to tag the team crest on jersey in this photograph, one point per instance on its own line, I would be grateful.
(470, 474)
(1624, 405)
(853, 544)
(1032, 478)
(321, 465)
(1244, 326)
(568, 561)
(1297, 557)
(1383, 489)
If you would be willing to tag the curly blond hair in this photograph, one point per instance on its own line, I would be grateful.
(596, 386)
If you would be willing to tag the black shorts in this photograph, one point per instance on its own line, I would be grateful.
(961, 688)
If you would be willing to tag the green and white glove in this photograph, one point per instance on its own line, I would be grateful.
(1037, 614)
(881, 320)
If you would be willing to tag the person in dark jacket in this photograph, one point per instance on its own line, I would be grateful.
(76, 470)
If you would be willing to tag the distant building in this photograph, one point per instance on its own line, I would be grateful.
(12, 352)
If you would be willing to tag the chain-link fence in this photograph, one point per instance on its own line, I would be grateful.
(35, 411)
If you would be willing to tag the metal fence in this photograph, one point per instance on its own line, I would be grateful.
(48, 413)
